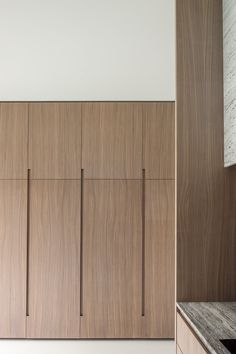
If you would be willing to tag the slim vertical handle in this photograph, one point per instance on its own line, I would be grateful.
(143, 242)
(28, 243)
(81, 240)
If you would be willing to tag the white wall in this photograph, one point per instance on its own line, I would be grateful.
(87, 50)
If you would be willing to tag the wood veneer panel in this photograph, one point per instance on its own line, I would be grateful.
(206, 192)
(55, 140)
(13, 140)
(112, 140)
(112, 259)
(54, 266)
(186, 340)
(159, 259)
(13, 211)
(159, 139)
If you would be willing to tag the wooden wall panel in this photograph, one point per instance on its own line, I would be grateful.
(13, 211)
(112, 259)
(55, 140)
(112, 140)
(159, 259)
(159, 139)
(13, 140)
(206, 192)
(54, 263)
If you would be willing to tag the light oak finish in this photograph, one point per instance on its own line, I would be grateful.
(13, 140)
(13, 211)
(178, 350)
(186, 340)
(112, 259)
(112, 140)
(206, 192)
(159, 259)
(54, 267)
(55, 140)
(159, 139)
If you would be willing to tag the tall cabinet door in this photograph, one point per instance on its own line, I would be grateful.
(55, 140)
(112, 140)
(159, 140)
(159, 259)
(112, 259)
(13, 140)
(54, 259)
(13, 223)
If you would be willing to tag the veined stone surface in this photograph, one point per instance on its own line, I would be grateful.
(229, 28)
(211, 321)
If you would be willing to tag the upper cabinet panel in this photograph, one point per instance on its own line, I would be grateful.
(13, 140)
(112, 140)
(55, 140)
(159, 140)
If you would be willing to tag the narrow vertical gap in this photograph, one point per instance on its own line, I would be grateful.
(143, 242)
(81, 137)
(28, 243)
(81, 240)
(28, 136)
(143, 137)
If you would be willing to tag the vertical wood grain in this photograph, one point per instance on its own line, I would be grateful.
(55, 140)
(159, 139)
(13, 200)
(112, 259)
(186, 340)
(160, 259)
(13, 140)
(54, 276)
(206, 192)
(112, 140)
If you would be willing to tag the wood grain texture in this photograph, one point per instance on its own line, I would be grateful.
(159, 139)
(13, 211)
(55, 140)
(178, 350)
(206, 192)
(112, 140)
(112, 259)
(13, 140)
(186, 340)
(54, 267)
(159, 259)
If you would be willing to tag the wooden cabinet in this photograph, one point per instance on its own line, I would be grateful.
(87, 254)
(178, 350)
(159, 259)
(159, 140)
(13, 200)
(112, 140)
(112, 261)
(55, 140)
(13, 140)
(187, 342)
(54, 260)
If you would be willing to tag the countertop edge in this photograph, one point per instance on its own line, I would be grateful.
(200, 336)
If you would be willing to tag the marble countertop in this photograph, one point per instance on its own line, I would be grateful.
(211, 321)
